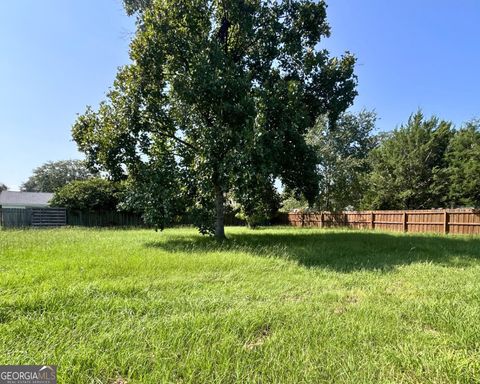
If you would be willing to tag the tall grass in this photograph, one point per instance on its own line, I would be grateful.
(276, 305)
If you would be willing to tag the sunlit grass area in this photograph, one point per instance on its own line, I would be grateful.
(277, 305)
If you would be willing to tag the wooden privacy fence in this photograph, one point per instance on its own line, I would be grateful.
(32, 217)
(104, 219)
(456, 221)
(55, 217)
(126, 219)
(15, 218)
(49, 217)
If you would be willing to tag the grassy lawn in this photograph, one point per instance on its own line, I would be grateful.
(269, 306)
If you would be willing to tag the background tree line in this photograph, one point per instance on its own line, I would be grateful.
(425, 163)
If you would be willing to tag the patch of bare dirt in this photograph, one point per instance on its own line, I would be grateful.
(119, 380)
(262, 335)
(346, 302)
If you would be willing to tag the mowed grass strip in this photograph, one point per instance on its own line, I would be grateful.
(277, 305)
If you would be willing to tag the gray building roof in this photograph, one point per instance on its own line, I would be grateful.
(25, 198)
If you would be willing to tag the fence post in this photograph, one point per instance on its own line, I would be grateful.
(372, 220)
(405, 225)
(321, 220)
(445, 222)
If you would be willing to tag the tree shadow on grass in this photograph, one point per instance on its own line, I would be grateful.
(342, 251)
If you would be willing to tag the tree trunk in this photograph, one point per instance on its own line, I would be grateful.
(220, 214)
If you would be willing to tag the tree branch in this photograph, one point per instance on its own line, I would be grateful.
(177, 139)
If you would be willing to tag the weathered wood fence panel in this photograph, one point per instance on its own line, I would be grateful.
(456, 221)
(32, 217)
(48, 217)
(124, 219)
(104, 219)
(15, 217)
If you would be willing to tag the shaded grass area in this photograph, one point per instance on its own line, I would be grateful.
(278, 305)
(339, 250)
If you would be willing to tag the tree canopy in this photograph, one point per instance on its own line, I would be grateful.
(408, 170)
(463, 157)
(3, 187)
(55, 174)
(94, 194)
(342, 153)
(217, 101)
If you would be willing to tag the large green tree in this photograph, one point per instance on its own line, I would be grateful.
(409, 167)
(342, 158)
(463, 158)
(217, 100)
(55, 174)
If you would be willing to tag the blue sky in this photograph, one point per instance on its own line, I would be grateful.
(57, 56)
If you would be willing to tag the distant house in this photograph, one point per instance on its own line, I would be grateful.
(11, 199)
